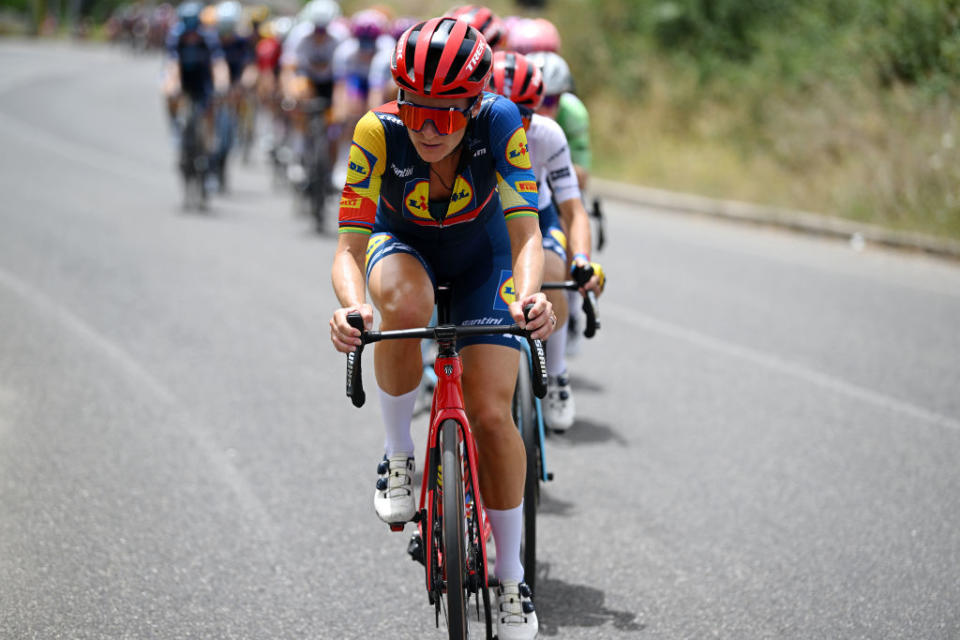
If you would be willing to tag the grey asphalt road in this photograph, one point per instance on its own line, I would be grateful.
(767, 443)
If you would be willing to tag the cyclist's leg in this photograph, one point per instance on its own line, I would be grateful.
(402, 291)
(489, 372)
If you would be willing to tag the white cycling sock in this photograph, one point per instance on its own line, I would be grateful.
(557, 351)
(507, 525)
(397, 411)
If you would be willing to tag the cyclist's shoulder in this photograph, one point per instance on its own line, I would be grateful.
(371, 131)
(545, 130)
(572, 107)
(498, 117)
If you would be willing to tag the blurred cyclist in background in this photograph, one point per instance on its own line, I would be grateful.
(561, 104)
(306, 68)
(483, 20)
(195, 69)
(517, 78)
(528, 35)
(382, 87)
(238, 52)
(353, 78)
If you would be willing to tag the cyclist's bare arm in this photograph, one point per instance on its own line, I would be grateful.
(526, 246)
(350, 287)
(583, 175)
(577, 223)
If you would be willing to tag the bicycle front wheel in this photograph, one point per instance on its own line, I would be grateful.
(454, 547)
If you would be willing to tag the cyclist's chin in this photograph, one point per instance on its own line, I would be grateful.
(437, 148)
(432, 152)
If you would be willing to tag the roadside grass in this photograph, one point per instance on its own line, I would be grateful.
(890, 158)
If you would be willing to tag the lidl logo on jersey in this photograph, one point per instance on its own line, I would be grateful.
(517, 153)
(505, 292)
(360, 166)
(417, 199)
(461, 198)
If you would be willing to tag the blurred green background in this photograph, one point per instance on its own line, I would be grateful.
(843, 107)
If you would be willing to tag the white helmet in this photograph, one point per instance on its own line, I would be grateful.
(556, 73)
(229, 14)
(320, 12)
(281, 27)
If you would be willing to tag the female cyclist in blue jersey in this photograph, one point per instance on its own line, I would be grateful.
(440, 188)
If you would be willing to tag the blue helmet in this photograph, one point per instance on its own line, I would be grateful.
(189, 15)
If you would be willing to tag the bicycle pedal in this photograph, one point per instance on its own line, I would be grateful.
(415, 549)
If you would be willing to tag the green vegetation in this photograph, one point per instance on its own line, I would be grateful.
(847, 107)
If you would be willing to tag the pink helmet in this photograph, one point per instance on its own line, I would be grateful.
(483, 20)
(534, 34)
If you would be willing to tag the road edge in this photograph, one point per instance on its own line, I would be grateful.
(794, 220)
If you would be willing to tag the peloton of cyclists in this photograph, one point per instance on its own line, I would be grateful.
(440, 188)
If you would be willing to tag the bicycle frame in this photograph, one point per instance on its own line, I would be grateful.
(448, 405)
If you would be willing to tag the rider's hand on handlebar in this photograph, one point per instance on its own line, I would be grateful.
(344, 337)
(541, 317)
(588, 274)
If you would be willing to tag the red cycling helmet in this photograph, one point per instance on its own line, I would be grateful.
(483, 20)
(534, 34)
(515, 77)
(442, 58)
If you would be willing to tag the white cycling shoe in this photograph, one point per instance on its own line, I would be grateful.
(393, 499)
(516, 616)
(558, 408)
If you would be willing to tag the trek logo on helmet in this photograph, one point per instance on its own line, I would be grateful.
(477, 56)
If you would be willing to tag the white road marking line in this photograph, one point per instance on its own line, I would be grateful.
(216, 455)
(780, 365)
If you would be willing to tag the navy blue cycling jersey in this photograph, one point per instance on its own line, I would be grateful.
(389, 184)
(462, 240)
(194, 52)
(239, 53)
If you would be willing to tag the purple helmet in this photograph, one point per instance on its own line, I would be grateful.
(369, 24)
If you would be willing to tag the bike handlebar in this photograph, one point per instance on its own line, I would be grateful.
(591, 310)
(445, 332)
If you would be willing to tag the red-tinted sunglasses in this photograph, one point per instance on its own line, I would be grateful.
(446, 119)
